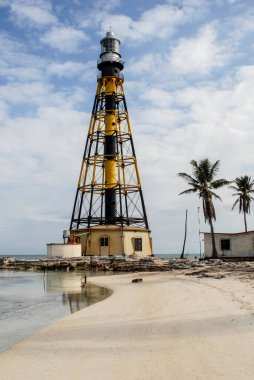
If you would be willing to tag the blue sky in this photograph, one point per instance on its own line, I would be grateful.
(189, 83)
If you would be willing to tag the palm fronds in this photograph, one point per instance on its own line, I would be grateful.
(243, 189)
(203, 182)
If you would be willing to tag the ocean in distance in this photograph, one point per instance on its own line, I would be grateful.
(161, 256)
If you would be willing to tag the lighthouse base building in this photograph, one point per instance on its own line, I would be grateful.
(104, 241)
(113, 240)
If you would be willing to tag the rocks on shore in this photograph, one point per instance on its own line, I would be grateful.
(191, 267)
(111, 263)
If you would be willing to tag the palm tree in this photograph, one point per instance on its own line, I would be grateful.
(203, 183)
(244, 189)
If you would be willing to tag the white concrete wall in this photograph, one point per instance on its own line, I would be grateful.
(241, 244)
(63, 250)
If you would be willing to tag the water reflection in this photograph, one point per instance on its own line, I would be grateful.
(88, 295)
(32, 300)
(75, 288)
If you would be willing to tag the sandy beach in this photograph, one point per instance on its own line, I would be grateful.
(170, 326)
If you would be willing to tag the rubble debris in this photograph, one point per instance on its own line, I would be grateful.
(190, 267)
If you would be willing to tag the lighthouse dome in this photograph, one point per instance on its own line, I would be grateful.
(110, 50)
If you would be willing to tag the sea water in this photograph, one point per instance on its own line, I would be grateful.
(32, 300)
(177, 255)
(160, 255)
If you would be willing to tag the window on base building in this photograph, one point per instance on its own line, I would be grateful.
(104, 241)
(138, 244)
(225, 244)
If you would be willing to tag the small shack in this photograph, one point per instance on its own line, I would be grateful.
(239, 244)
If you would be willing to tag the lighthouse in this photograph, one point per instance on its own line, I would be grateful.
(109, 215)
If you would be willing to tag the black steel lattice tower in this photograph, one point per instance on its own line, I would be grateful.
(109, 190)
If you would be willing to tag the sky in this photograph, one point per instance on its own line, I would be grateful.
(189, 86)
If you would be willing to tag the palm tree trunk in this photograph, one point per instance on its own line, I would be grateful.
(245, 222)
(185, 234)
(214, 251)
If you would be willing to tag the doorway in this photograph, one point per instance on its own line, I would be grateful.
(104, 246)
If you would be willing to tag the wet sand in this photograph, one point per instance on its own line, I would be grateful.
(170, 326)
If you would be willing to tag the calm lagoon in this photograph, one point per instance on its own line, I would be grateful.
(32, 300)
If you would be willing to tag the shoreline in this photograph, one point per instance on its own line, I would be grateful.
(30, 301)
(168, 326)
(122, 264)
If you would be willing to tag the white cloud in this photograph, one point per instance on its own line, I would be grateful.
(18, 65)
(30, 93)
(148, 63)
(70, 68)
(38, 12)
(199, 55)
(37, 152)
(228, 1)
(156, 23)
(106, 5)
(241, 25)
(21, 73)
(4, 3)
(157, 96)
(4, 111)
(191, 57)
(65, 39)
